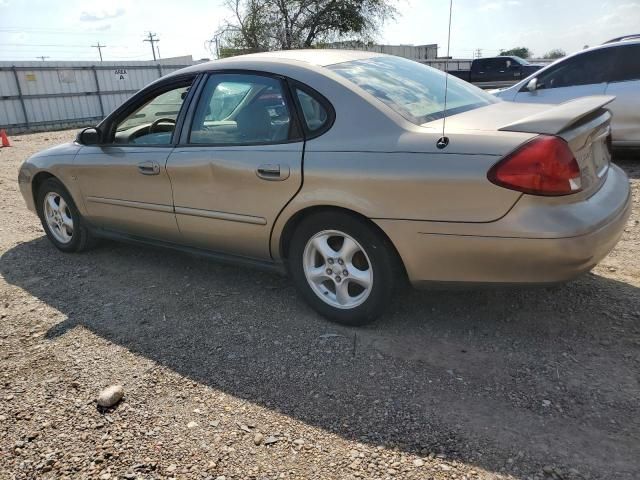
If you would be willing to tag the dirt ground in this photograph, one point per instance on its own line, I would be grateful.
(229, 375)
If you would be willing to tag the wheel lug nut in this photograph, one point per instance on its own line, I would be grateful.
(338, 279)
(330, 261)
(340, 262)
(329, 271)
(345, 273)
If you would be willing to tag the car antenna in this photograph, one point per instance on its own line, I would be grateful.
(443, 141)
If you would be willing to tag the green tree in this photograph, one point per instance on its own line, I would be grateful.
(555, 53)
(260, 25)
(522, 52)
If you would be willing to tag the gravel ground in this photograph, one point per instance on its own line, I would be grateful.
(228, 375)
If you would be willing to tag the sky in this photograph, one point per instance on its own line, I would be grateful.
(66, 29)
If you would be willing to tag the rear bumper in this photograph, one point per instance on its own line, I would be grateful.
(539, 241)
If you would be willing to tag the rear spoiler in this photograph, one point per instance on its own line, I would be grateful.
(559, 117)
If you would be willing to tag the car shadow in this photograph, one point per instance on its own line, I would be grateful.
(499, 378)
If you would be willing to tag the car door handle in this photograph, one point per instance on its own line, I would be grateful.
(273, 172)
(149, 168)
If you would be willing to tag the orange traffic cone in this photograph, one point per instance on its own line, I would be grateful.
(5, 139)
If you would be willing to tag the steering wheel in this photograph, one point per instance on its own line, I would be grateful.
(157, 122)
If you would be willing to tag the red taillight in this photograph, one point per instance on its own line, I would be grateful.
(542, 166)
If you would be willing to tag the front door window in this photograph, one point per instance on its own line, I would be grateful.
(154, 121)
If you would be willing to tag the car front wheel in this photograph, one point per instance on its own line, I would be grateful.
(343, 267)
(60, 218)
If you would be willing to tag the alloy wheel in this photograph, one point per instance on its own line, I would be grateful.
(58, 217)
(338, 269)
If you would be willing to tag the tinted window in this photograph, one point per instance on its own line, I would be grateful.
(627, 66)
(225, 99)
(153, 122)
(240, 109)
(413, 90)
(584, 69)
(482, 65)
(499, 64)
(315, 115)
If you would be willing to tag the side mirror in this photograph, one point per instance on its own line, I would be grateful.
(532, 86)
(89, 136)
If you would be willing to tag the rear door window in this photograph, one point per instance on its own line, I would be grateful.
(627, 64)
(241, 109)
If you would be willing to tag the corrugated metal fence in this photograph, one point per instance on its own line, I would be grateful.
(38, 96)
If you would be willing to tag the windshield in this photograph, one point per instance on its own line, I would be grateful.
(521, 61)
(413, 90)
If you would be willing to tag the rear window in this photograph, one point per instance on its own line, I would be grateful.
(413, 90)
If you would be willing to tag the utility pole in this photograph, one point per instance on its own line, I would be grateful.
(152, 39)
(478, 53)
(99, 47)
(42, 57)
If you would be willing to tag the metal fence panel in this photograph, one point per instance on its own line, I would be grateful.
(36, 96)
(111, 101)
(12, 111)
(8, 85)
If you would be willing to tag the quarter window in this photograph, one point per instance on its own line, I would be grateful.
(237, 109)
(315, 115)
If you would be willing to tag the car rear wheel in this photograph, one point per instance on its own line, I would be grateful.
(342, 267)
(61, 219)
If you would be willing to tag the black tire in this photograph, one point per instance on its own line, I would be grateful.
(81, 238)
(381, 255)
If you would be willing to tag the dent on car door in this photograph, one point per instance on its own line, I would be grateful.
(238, 164)
(575, 77)
(124, 182)
(625, 85)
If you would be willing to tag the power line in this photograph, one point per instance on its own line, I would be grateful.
(42, 45)
(45, 31)
(152, 39)
(99, 47)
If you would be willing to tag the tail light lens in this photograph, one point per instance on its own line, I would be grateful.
(542, 166)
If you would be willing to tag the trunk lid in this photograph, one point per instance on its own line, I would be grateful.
(554, 119)
(583, 123)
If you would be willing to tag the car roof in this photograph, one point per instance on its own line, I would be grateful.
(319, 57)
(624, 38)
(623, 42)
